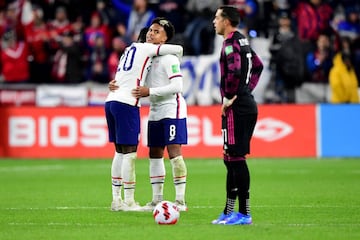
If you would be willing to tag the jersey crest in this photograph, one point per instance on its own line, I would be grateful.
(228, 50)
(175, 68)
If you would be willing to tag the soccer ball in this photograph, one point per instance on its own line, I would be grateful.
(166, 212)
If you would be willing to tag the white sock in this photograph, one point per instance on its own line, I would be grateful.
(116, 177)
(157, 178)
(179, 172)
(129, 178)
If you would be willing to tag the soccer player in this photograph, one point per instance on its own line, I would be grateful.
(123, 119)
(167, 117)
(240, 70)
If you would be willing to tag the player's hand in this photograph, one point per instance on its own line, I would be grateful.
(112, 85)
(227, 104)
(140, 92)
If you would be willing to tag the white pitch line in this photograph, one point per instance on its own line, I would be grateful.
(254, 224)
(191, 207)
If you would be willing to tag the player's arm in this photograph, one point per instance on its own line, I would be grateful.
(226, 104)
(112, 85)
(257, 67)
(175, 85)
(164, 49)
(233, 57)
(233, 77)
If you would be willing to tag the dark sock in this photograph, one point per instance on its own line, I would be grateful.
(243, 181)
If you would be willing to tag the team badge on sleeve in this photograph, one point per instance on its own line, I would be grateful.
(175, 68)
(228, 50)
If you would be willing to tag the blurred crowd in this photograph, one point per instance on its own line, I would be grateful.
(314, 44)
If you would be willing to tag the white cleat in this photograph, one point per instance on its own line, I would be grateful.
(181, 206)
(116, 205)
(149, 207)
(131, 207)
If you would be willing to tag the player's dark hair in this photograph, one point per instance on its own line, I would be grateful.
(231, 13)
(167, 25)
(142, 35)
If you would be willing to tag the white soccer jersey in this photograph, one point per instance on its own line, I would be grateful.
(165, 69)
(134, 66)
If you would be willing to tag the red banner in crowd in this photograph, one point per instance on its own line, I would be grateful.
(81, 132)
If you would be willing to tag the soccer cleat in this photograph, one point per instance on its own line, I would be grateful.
(221, 218)
(181, 205)
(244, 219)
(231, 219)
(149, 207)
(130, 206)
(116, 205)
(237, 219)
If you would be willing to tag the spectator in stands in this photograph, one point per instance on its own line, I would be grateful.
(106, 13)
(276, 92)
(58, 26)
(248, 10)
(318, 64)
(174, 11)
(97, 69)
(13, 19)
(199, 32)
(140, 16)
(343, 81)
(118, 47)
(350, 27)
(97, 28)
(123, 8)
(67, 63)
(14, 59)
(38, 40)
(313, 17)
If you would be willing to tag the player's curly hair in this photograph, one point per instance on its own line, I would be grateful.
(167, 25)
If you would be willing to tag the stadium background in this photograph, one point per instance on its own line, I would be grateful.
(67, 120)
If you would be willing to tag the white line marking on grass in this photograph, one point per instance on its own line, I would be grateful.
(254, 224)
(191, 207)
(60, 224)
(57, 208)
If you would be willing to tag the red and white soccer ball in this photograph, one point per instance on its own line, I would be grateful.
(166, 212)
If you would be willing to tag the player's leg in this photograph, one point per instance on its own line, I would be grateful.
(157, 174)
(127, 124)
(116, 165)
(243, 131)
(243, 178)
(179, 173)
(129, 177)
(175, 135)
(231, 188)
(157, 170)
(116, 180)
(235, 158)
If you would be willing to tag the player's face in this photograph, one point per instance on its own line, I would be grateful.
(219, 22)
(156, 34)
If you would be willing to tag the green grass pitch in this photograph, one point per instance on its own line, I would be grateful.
(290, 199)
